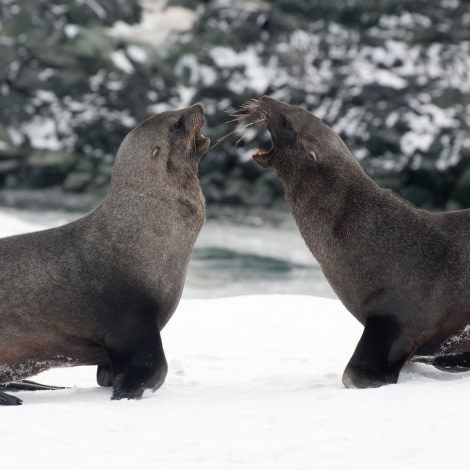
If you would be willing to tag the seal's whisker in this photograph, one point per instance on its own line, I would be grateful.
(221, 139)
(250, 104)
(240, 117)
(246, 132)
(245, 111)
(242, 137)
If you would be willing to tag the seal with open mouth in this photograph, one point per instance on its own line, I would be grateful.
(100, 289)
(403, 272)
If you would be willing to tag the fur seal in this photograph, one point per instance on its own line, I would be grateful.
(100, 289)
(403, 272)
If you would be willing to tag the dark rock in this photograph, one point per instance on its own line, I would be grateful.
(461, 190)
(384, 140)
(418, 196)
(103, 12)
(47, 168)
(7, 57)
(54, 55)
(92, 44)
(5, 139)
(7, 168)
(76, 181)
(391, 79)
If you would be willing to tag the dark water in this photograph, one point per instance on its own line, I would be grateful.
(255, 255)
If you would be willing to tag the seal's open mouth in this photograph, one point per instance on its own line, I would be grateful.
(259, 154)
(201, 139)
(201, 142)
(262, 158)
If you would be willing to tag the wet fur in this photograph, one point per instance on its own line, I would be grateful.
(403, 272)
(100, 289)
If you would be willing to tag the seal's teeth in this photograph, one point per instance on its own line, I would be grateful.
(257, 152)
(202, 136)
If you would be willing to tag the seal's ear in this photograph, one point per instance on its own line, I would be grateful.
(155, 152)
(313, 155)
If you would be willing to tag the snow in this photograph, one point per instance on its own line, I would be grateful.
(158, 21)
(71, 30)
(426, 121)
(137, 54)
(254, 382)
(198, 73)
(412, 141)
(121, 61)
(225, 57)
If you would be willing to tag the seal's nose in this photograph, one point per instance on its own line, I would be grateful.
(266, 98)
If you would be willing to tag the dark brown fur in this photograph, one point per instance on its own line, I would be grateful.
(100, 289)
(403, 272)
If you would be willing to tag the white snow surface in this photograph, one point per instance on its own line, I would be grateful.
(254, 382)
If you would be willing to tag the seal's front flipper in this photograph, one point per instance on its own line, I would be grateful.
(449, 363)
(379, 355)
(28, 385)
(143, 367)
(9, 400)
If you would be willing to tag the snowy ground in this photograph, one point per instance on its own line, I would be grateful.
(254, 383)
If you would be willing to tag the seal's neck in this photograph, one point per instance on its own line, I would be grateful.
(150, 194)
(152, 208)
(329, 202)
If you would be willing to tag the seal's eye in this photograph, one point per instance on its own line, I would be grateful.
(178, 125)
(285, 124)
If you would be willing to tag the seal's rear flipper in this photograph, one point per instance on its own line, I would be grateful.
(27, 385)
(450, 363)
(9, 400)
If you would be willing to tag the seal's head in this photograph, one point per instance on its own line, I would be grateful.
(300, 139)
(165, 146)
